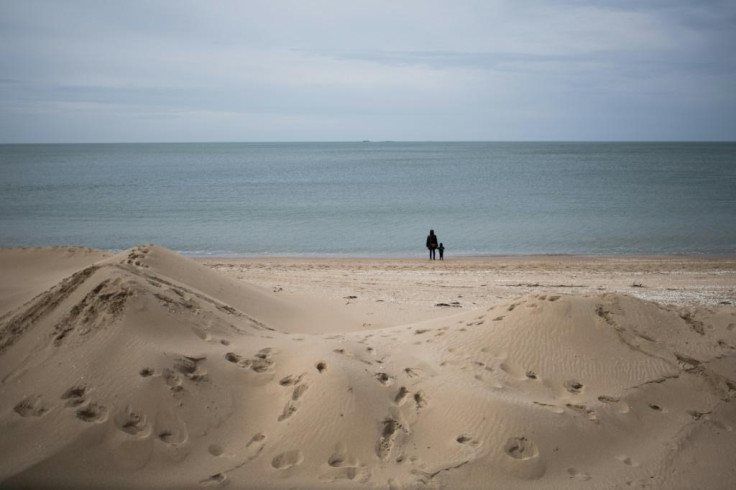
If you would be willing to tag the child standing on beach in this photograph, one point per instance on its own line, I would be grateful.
(442, 251)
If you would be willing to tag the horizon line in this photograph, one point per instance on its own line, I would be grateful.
(349, 141)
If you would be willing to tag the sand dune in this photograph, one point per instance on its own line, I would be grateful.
(145, 369)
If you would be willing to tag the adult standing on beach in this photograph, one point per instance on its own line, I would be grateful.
(432, 244)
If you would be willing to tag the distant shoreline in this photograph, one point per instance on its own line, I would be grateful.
(394, 257)
(463, 257)
(50, 143)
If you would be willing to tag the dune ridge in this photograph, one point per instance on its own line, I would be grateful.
(145, 369)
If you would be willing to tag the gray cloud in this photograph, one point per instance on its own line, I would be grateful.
(327, 70)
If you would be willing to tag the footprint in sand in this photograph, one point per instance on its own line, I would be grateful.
(698, 415)
(93, 412)
(131, 422)
(341, 457)
(524, 460)
(616, 403)
(289, 410)
(552, 408)
(215, 450)
(628, 461)
(233, 357)
(31, 406)
(521, 448)
(218, 480)
(420, 399)
(191, 367)
(573, 386)
(74, 396)
(577, 474)
(173, 380)
(466, 440)
(166, 436)
(291, 379)
(170, 429)
(387, 440)
(256, 438)
(321, 366)
(401, 396)
(582, 409)
(299, 390)
(343, 466)
(287, 459)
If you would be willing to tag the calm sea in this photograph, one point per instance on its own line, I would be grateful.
(373, 199)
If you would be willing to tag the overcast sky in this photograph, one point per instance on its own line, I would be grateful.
(183, 70)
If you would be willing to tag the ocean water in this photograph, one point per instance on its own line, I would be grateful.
(373, 199)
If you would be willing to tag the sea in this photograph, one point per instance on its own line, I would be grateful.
(373, 199)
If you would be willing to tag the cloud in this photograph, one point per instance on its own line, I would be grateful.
(89, 71)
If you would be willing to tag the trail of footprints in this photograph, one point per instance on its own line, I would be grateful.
(87, 411)
(128, 420)
(260, 363)
(299, 388)
(136, 256)
(263, 362)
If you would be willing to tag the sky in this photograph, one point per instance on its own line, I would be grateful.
(490, 70)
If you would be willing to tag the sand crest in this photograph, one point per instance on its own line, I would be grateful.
(145, 369)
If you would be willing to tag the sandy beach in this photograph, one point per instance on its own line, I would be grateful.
(216, 223)
(147, 369)
(390, 292)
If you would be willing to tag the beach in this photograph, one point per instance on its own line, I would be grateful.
(148, 369)
(218, 222)
(389, 292)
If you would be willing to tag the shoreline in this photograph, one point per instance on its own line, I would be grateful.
(467, 258)
(195, 255)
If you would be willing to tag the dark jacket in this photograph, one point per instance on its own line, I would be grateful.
(431, 241)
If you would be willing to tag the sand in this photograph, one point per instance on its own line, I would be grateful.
(146, 369)
(389, 292)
